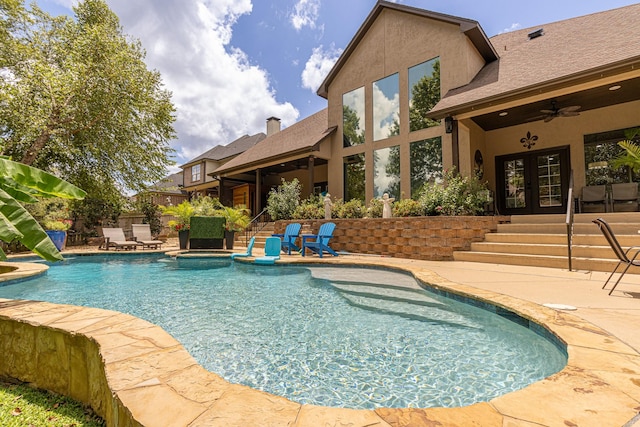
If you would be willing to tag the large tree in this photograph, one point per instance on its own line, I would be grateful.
(77, 99)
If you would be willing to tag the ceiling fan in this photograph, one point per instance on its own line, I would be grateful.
(560, 112)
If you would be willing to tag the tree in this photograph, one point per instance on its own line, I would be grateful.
(631, 156)
(23, 184)
(426, 94)
(352, 133)
(77, 99)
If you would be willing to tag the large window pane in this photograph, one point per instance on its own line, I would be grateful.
(386, 107)
(424, 93)
(354, 180)
(599, 150)
(386, 172)
(353, 117)
(426, 163)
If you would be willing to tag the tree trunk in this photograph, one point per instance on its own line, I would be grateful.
(31, 154)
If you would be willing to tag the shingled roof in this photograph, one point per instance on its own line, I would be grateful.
(568, 50)
(300, 137)
(221, 152)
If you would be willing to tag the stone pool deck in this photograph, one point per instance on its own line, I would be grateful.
(135, 374)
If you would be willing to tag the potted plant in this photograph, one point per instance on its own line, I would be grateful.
(182, 214)
(57, 231)
(237, 219)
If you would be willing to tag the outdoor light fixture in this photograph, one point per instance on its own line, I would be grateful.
(448, 124)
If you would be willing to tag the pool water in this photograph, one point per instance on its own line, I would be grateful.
(343, 337)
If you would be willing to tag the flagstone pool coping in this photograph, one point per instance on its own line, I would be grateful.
(133, 373)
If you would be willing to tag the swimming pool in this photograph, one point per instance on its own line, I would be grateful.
(336, 337)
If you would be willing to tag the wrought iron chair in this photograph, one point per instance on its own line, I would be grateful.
(623, 256)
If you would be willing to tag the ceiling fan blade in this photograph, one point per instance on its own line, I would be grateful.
(568, 113)
(571, 108)
(549, 118)
(548, 111)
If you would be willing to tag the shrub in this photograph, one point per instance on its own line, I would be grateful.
(458, 195)
(352, 209)
(407, 207)
(375, 208)
(310, 208)
(284, 199)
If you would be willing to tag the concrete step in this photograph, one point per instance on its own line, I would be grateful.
(626, 240)
(578, 263)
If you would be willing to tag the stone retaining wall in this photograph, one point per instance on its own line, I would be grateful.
(433, 238)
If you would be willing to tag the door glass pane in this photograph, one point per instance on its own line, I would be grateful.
(514, 184)
(549, 181)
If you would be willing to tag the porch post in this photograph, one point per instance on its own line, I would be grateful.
(455, 146)
(258, 203)
(311, 179)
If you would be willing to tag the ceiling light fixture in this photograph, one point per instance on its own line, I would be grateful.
(504, 113)
(615, 87)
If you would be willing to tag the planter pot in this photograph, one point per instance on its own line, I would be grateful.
(229, 237)
(59, 238)
(183, 237)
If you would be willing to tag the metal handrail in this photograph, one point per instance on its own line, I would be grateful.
(569, 219)
(257, 224)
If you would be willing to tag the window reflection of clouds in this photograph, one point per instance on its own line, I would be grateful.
(386, 172)
(353, 104)
(386, 107)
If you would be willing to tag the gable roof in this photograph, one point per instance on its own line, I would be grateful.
(569, 51)
(300, 137)
(469, 27)
(221, 152)
(170, 184)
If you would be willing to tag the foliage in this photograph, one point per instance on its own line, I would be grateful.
(97, 212)
(237, 218)
(21, 405)
(425, 95)
(353, 133)
(152, 213)
(355, 177)
(375, 208)
(631, 156)
(21, 184)
(310, 208)
(58, 225)
(76, 98)
(182, 212)
(407, 207)
(206, 206)
(284, 199)
(354, 208)
(458, 195)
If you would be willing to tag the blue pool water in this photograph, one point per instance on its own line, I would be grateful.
(329, 336)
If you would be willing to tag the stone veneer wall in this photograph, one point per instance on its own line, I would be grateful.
(433, 238)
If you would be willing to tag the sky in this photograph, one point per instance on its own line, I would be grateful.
(231, 64)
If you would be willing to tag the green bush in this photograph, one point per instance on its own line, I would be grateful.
(310, 208)
(375, 208)
(457, 195)
(407, 207)
(284, 199)
(352, 209)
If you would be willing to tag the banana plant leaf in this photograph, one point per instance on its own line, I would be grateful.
(45, 184)
(19, 192)
(33, 236)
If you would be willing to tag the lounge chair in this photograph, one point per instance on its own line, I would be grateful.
(142, 234)
(594, 199)
(289, 237)
(246, 254)
(114, 238)
(319, 243)
(272, 248)
(623, 256)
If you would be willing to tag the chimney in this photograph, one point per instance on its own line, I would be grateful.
(273, 126)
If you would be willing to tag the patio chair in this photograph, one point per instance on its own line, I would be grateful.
(594, 199)
(320, 242)
(288, 238)
(624, 197)
(623, 256)
(142, 234)
(272, 248)
(114, 238)
(246, 254)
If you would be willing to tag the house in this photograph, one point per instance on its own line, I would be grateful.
(197, 177)
(416, 92)
(168, 191)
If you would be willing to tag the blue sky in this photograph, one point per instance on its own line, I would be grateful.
(231, 64)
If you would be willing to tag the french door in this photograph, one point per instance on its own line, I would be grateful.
(535, 182)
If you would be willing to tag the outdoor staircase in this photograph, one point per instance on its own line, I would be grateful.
(261, 236)
(541, 241)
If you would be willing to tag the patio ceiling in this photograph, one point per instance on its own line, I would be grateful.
(589, 99)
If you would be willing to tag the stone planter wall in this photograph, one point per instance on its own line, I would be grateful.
(432, 238)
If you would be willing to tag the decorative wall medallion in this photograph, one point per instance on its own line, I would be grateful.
(529, 141)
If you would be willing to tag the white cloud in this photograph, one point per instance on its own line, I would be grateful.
(218, 94)
(305, 13)
(318, 66)
(513, 27)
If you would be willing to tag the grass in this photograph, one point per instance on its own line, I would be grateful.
(24, 406)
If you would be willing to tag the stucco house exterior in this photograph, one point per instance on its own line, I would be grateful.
(416, 92)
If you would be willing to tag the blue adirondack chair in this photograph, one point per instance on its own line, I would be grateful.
(272, 249)
(289, 237)
(319, 243)
(246, 254)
